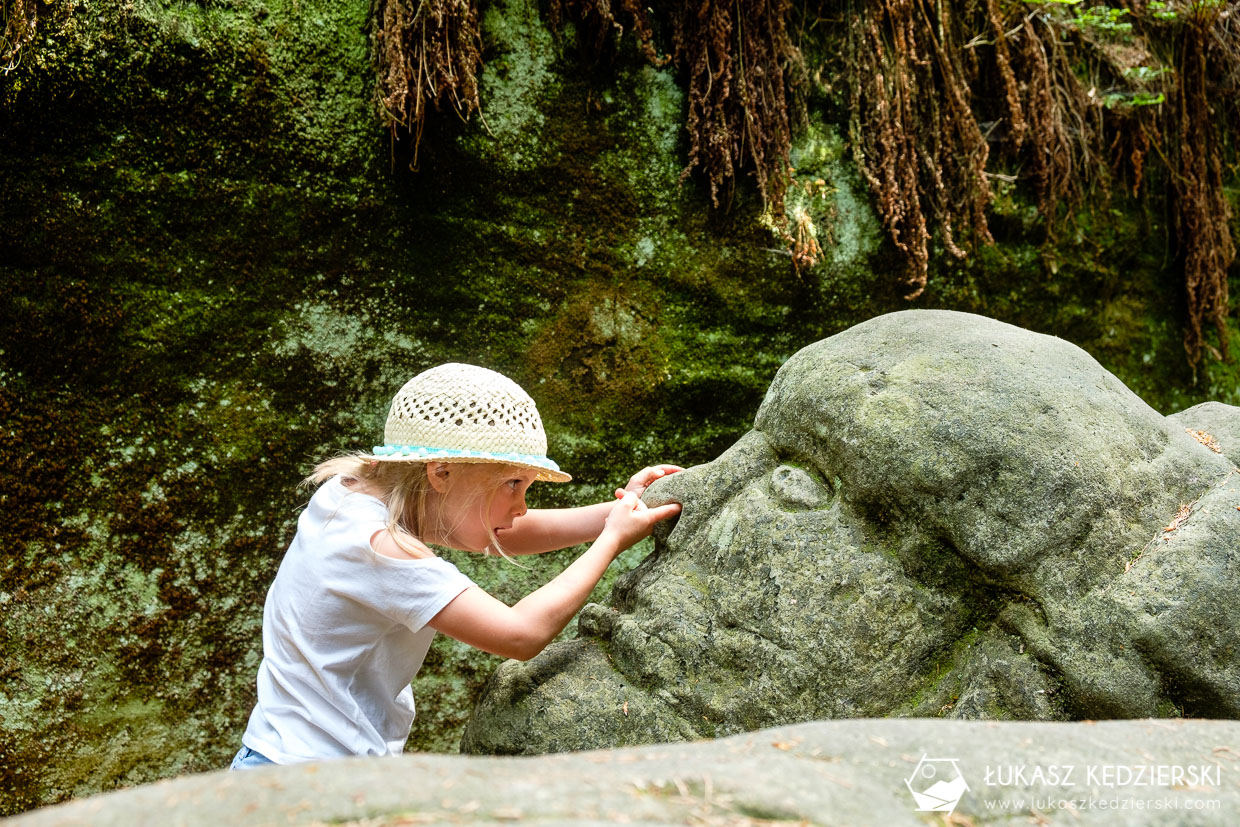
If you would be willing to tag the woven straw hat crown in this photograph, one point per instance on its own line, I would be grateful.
(465, 413)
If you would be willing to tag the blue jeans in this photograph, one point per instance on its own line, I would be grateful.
(248, 759)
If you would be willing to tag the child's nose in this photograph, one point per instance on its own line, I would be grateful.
(519, 508)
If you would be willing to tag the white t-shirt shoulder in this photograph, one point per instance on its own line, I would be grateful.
(344, 633)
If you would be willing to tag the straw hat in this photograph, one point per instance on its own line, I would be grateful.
(465, 413)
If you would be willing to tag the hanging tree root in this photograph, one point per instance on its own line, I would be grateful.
(21, 19)
(1202, 215)
(913, 133)
(745, 81)
(1070, 98)
(745, 78)
(1063, 124)
(597, 23)
(425, 53)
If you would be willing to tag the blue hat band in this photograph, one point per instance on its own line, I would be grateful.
(428, 453)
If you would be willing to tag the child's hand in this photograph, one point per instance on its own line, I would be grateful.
(630, 520)
(643, 478)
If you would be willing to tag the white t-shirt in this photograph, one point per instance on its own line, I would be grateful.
(344, 632)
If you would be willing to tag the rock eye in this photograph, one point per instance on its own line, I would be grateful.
(798, 488)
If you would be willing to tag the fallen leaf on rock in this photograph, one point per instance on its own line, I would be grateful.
(1205, 439)
(1179, 518)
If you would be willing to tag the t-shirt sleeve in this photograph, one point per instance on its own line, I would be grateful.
(410, 592)
(424, 587)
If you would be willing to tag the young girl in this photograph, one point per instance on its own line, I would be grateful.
(360, 595)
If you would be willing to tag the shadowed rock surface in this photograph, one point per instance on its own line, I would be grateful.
(833, 772)
(935, 514)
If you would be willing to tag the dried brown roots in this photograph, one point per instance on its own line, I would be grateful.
(1202, 214)
(913, 131)
(745, 80)
(21, 20)
(427, 53)
(1071, 99)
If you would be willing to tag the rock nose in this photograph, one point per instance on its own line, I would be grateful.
(683, 487)
(672, 488)
(704, 489)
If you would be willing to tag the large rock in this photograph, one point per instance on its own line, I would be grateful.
(934, 514)
(833, 772)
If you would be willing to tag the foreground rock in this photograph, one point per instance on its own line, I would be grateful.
(936, 514)
(834, 772)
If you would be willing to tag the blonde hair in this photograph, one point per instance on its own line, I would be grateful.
(404, 488)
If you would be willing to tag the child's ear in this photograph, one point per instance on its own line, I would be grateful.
(437, 474)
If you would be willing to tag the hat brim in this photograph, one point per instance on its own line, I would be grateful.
(547, 470)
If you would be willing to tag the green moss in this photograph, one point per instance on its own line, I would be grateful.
(517, 79)
(1109, 284)
(938, 692)
(828, 190)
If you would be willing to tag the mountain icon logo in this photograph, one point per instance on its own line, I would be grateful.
(936, 784)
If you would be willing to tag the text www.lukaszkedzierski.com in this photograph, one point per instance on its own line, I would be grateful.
(1047, 804)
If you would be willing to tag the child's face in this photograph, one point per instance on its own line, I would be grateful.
(464, 512)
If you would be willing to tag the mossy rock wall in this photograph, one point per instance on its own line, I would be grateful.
(218, 267)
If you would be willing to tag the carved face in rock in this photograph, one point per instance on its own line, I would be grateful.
(934, 514)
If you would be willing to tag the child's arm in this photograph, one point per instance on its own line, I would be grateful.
(547, 529)
(524, 630)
